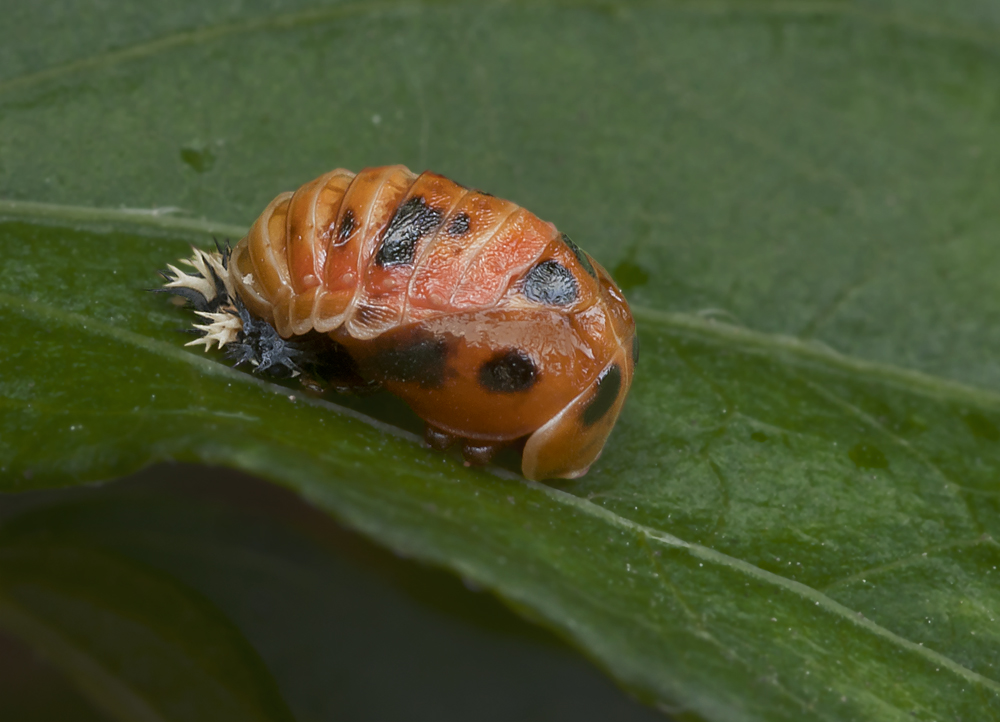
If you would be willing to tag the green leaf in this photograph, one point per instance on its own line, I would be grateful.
(777, 530)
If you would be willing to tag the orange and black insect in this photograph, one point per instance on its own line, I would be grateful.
(492, 325)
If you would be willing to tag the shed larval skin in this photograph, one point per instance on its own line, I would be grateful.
(486, 320)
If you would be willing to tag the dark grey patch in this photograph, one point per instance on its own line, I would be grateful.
(608, 386)
(508, 372)
(635, 350)
(580, 255)
(347, 226)
(259, 344)
(550, 283)
(418, 358)
(460, 225)
(411, 222)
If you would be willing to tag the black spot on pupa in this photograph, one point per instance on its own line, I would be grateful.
(550, 283)
(411, 222)
(460, 225)
(635, 350)
(580, 256)
(508, 372)
(416, 358)
(347, 225)
(608, 386)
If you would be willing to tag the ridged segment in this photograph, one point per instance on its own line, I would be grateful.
(260, 277)
(441, 269)
(412, 229)
(310, 212)
(445, 248)
(502, 257)
(377, 193)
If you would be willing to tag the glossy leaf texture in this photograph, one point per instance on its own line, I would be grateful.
(795, 516)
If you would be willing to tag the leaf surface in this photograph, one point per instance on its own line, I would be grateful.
(777, 529)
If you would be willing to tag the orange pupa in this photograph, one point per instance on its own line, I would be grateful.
(494, 327)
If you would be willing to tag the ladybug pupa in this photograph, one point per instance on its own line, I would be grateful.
(494, 327)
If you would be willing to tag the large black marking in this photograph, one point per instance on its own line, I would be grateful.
(347, 226)
(508, 372)
(580, 255)
(608, 386)
(419, 357)
(550, 283)
(635, 350)
(460, 225)
(412, 221)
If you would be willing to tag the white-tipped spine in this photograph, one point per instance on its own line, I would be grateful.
(224, 328)
(224, 325)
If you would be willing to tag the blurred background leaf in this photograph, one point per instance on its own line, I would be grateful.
(204, 593)
(795, 516)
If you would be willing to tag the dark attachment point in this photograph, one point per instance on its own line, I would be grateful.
(260, 344)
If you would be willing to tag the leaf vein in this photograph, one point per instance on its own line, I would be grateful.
(712, 556)
(950, 485)
(916, 558)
